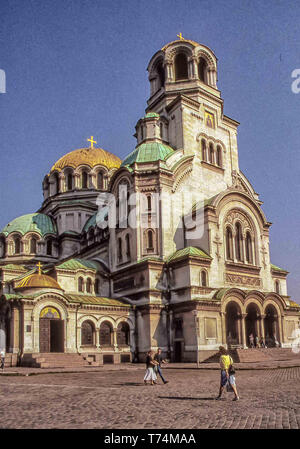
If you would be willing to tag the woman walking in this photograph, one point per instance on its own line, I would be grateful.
(227, 373)
(150, 364)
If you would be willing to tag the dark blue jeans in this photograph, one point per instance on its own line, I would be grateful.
(160, 373)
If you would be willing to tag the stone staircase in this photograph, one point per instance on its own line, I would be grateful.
(55, 360)
(213, 356)
(266, 355)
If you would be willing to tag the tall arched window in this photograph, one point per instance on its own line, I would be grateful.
(105, 334)
(149, 205)
(249, 255)
(100, 180)
(49, 247)
(56, 183)
(17, 241)
(97, 286)
(89, 285)
(161, 75)
(119, 249)
(80, 284)
(277, 287)
(181, 67)
(203, 149)
(204, 278)
(123, 333)
(87, 333)
(202, 70)
(127, 241)
(69, 181)
(238, 242)
(229, 245)
(211, 154)
(2, 247)
(84, 180)
(219, 156)
(33, 245)
(150, 239)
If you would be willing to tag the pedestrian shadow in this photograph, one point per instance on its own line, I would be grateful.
(183, 398)
(132, 384)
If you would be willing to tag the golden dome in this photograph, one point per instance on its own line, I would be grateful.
(87, 156)
(36, 280)
(195, 44)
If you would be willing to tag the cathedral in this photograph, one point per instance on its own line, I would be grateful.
(168, 248)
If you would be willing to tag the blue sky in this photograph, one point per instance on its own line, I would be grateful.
(78, 68)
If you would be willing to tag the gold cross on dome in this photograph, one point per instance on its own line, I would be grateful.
(39, 265)
(180, 37)
(92, 141)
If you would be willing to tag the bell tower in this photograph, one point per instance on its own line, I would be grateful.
(184, 92)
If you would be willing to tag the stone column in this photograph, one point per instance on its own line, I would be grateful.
(62, 182)
(115, 344)
(281, 329)
(14, 330)
(78, 337)
(169, 71)
(171, 333)
(97, 337)
(262, 327)
(223, 322)
(239, 329)
(93, 180)
(77, 180)
(244, 341)
(132, 341)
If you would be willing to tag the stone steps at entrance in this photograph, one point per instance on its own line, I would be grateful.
(266, 354)
(54, 360)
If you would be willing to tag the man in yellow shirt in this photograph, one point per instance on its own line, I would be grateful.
(226, 363)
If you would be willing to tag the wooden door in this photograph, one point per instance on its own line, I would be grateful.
(44, 335)
(56, 335)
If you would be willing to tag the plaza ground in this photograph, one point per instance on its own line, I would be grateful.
(115, 398)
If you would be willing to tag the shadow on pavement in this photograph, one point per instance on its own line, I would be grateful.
(182, 398)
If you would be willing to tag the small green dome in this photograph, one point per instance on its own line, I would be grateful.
(40, 223)
(148, 152)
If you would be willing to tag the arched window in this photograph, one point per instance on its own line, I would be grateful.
(123, 333)
(91, 236)
(203, 149)
(149, 239)
(202, 70)
(56, 183)
(69, 181)
(161, 75)
(181, 67)
(119, 249)
(87, 333)
(142, 132)
(211, 154)
(204, 278)
(277, 287)
(89, 285)
(100, 180)
(229, 246)
(105, 334)
(17, 242)
(161, 127)
(97, 286)
(2, 247)
(127, 240)
(238, 242)
(149, 205)
(33, 245)
(80, 284)
(219, 156)
(249, 255)
(84, 180)
(49, 247)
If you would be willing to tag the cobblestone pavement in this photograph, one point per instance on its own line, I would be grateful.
(118, 399)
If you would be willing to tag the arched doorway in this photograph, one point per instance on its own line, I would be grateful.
(233, 325)
(252, 323)
(51, 330)
(271, 326)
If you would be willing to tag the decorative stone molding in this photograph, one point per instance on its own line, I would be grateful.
(238, 279)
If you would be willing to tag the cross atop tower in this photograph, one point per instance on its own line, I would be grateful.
(180, 37)
(39, 265)
(92, 141)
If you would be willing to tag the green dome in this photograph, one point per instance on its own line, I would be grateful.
(148, 152)
(40, 223)
(152, 114)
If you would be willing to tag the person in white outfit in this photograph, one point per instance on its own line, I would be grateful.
(150, 373)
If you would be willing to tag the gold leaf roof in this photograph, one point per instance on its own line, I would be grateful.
(196, 44)
(38, 281)
(87, 156)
